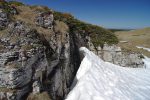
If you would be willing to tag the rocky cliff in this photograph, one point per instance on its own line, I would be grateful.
(39, 51)
(30, 61)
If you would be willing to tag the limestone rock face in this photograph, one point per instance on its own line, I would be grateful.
(7, 94)
(21, 59)
(4, 20)
(45, 19)
(63, 63)
(26, 60)
(5, 14)
(115, 55)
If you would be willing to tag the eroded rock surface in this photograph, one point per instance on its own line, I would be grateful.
(4, 20)
(23, 54)
(45, 19)
(114, 54)
(27, 58)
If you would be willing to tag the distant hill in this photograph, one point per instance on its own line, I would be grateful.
(116, 30)
(139, 37)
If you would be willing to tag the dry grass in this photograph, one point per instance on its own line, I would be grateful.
(3, 89)
(39, 96)
(61, 27)
(28, 14)
(26, 47)
(2, 47)
(4, 33)
(13, 65)
(135, 38)
(14, 39)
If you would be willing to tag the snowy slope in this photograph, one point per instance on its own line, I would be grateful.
(99, 80)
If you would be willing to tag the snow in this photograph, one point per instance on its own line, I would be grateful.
(99, 80)
(140, 47)
(147, 62)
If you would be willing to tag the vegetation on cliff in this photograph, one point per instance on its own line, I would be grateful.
(7, 5)
(98, 34)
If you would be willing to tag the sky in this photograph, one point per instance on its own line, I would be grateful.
(107, 13)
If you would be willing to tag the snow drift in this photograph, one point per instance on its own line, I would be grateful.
(99, 80)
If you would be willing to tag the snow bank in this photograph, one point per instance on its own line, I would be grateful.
(99, 80)
(146, 61)
(140, 47)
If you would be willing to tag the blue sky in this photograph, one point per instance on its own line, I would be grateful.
(106, 13)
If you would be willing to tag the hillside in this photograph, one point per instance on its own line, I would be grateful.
(140, 37)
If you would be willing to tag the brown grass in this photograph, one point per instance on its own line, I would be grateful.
(3, 89)
(140, 37)
(28, 14)
(2, 47)
(4, 33)
(39, 96)
(13, 65)
(61, 28)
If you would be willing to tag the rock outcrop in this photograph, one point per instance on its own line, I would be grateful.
(45, 19)
(4, 20)
(114, 54)
(28, 59)
(21, 59)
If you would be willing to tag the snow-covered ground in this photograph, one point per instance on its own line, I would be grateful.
(140, 47)
(99, 80)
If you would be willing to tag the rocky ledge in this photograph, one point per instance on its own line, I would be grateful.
(114, 54)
